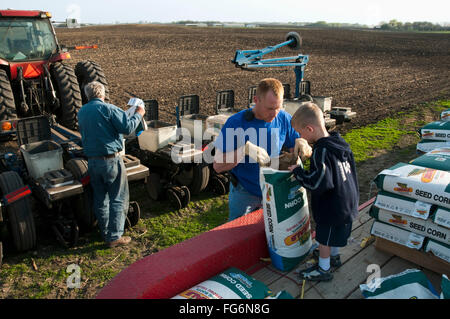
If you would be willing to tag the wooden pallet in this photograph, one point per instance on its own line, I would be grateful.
(353, 272)
(420, 258)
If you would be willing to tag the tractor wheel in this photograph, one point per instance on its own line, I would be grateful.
(84, 211)
(7, 105)
(200, 179)
(133, 216)
(68, 92)
(217, 186)
(88, 71)
(66, 232)
(186, 198)
(174, 195)
(297, 43)
(19, 215)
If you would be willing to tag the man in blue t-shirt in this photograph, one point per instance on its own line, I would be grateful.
(248, 140)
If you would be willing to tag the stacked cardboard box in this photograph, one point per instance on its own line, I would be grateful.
(412, 207)
(435, 134)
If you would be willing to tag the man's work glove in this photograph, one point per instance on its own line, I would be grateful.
(302, 149)
(257, 153)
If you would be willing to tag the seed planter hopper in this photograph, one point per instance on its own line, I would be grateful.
(52, 168)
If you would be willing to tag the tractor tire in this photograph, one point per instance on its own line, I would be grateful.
(133, 216)
(7, 105)
(88, 71)
(19, 214)
(186, 198)
(68, 92)
(200, 179)
(174, 195)
(297, 43)
(84, 211)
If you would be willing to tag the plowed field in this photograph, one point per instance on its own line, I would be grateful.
(375, 73)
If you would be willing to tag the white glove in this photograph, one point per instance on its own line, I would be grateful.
(257, 153)
(302, 149)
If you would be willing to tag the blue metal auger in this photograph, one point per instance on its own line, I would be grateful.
(252, 59)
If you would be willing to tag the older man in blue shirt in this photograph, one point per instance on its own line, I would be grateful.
(101, 126)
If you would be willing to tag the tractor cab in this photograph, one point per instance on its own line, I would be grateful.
(26, 38)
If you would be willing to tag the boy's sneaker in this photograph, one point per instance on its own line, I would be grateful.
(335, 261)
(315, 273)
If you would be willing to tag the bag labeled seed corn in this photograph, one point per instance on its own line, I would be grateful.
(230, 284)
(445, 287)
(422, 227)
(421, 183)
(442, 217)
(403, 205)
(438, 130)
(445, 115)
(438, 159)
(409, 284)
(426, 145)
(440, 250)
(286, 218)
(397, 235)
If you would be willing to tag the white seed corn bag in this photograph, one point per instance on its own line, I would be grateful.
(425, 184)
(438, 130)
(445, 115)
(286, 218)
(409, 284)
(230, 284)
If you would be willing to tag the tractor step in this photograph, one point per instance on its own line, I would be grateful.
(58, 177)
(130, 161)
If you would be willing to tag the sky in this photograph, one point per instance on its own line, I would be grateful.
(369, 12)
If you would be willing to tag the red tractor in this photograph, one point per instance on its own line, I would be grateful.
(34, 79)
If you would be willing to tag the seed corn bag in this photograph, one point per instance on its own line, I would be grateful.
(286, 218)
(409, 284)
(230, 284)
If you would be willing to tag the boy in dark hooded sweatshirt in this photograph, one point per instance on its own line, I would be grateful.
(333, 183)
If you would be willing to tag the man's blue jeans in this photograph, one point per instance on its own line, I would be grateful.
(241, 202)
(108, 178)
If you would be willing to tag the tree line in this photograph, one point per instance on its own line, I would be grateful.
(395, 25)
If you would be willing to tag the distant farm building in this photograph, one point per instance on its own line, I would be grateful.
(72, 23)
(196, 25)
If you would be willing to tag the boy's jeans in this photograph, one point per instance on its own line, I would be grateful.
(108, 178)
(241, 202)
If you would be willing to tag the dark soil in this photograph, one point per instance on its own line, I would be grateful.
(375, 73)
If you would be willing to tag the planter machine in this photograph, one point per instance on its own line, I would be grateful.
(51, 166)
(177, 166)
(253, 59)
